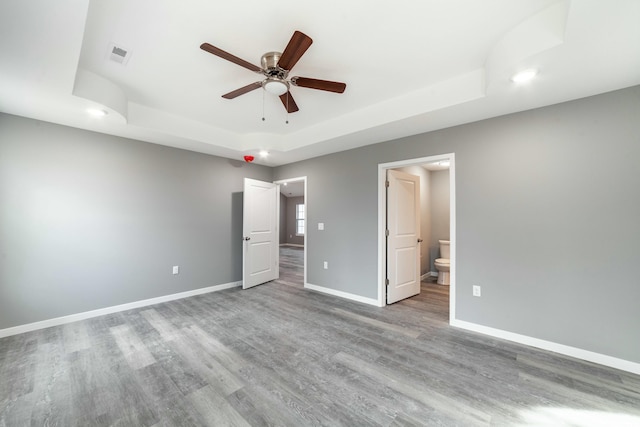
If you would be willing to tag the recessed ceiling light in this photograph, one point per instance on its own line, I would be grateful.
(97, 112)
(524, 76)
(264, 153)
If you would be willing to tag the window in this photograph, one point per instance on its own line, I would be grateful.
(299, 219)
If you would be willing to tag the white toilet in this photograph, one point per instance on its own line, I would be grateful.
(442, 263)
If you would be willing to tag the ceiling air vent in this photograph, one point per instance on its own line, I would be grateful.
(119, 54)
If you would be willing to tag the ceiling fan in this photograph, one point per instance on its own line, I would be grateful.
(275, 68)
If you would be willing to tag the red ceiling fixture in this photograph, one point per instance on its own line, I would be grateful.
(248, 159)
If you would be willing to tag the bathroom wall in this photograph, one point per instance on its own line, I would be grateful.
(440, 212)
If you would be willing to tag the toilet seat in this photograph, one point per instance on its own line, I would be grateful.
(443, 261)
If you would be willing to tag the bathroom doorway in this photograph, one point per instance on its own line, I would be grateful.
(293, 231)
(429, 250)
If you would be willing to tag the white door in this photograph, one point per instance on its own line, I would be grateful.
(403, 241)
(261, 203)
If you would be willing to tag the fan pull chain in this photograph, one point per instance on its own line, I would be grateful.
(287, 119)
(263, 106)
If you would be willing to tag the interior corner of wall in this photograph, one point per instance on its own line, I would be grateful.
(97, 89)
(536, 34)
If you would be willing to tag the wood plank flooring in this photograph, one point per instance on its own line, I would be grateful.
(280, 355)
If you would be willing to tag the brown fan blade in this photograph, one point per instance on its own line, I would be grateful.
(242, 90)
(229, 57)
(297, 46)
(288, 102)
(319, 84)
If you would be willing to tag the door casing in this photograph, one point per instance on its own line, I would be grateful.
(382, 223)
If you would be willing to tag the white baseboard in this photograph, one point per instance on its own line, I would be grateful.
(346, 295)
(109, 310)
(578, 353)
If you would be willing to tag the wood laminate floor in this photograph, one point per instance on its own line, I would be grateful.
(281, 355)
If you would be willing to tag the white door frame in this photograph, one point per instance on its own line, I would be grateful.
(306, 224)
(382, 223)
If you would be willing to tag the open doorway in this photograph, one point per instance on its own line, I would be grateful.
(293, 231)
(429, 250)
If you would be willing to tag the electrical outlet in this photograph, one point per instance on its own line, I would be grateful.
(326, 265)
(176, 269)
(477, 291)
(321, 226)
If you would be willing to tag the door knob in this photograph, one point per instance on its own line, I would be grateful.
(247, 238)
(420, 240)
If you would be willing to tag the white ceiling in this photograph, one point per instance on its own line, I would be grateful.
(410, 66)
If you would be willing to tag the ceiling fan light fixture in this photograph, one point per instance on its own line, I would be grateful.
(275, 68)
(276, 87)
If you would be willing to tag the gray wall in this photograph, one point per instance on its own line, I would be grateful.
(548, 212)
(290, 212)
(349, 241)
(89, 221)
(547, 220)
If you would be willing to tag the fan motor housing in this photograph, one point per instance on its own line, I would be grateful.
(269, 62)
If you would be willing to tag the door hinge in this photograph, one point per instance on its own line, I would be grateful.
(386, 282)
(386, 183)
(386, 232)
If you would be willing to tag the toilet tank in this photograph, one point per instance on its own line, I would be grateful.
(444, 249)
